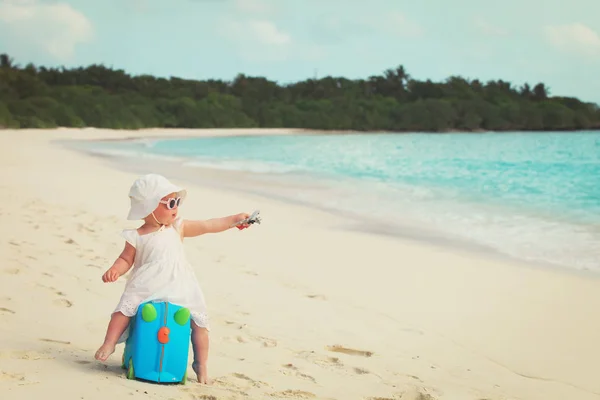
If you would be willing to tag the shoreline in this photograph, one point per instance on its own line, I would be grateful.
(406, 231)
(108, 135)
(350, 222)
(411, 321)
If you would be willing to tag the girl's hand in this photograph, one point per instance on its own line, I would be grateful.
(241, 217)
(111, 275)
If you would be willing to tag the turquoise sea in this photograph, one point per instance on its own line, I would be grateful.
(533, 196)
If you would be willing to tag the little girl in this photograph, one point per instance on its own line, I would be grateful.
(160, 268)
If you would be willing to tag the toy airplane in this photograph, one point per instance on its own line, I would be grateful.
(252, 219)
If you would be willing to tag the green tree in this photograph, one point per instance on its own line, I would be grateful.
(100, 96)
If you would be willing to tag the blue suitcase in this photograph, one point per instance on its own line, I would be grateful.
(158, 343)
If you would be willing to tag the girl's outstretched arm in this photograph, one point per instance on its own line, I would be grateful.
(121, 264)
(193, 228)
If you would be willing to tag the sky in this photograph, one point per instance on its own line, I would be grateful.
(551, 41)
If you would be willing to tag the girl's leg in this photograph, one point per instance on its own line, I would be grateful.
(117, 325)
(200, 347)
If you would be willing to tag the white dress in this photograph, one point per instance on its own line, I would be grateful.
(161, 272)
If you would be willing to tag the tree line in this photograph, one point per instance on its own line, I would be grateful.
(97, 96)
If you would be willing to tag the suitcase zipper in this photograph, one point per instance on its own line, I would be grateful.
(162, 351)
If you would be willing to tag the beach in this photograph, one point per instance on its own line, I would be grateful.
(300, 306)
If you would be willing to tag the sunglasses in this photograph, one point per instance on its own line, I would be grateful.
(171, 203)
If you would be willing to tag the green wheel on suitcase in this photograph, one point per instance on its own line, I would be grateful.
(130, 371)
(184, 380)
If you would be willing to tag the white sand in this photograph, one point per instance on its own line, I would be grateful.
(441, 324)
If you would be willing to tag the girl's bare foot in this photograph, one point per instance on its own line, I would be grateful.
(105, 351)
(201, 373)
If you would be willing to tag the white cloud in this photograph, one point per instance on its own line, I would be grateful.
(397, 23)
(257, 38)
(252, 28)
(574, 38)
(55, 28)
(254, 32)
(487, 28)
(266, 32)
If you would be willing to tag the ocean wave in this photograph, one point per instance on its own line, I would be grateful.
(242, 165)
(130, 153)
(533, 197)
(440, 215)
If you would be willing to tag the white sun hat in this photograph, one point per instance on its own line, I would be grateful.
(147, 191)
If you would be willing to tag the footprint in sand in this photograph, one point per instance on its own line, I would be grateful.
(54, 341)
(267, 342)
(334, 363)
(233, 385)
(292, 370)
(361, 371)
(322, 361)
(6, 376)
(416, 378)
(25, 355)
(82, 227)
(12, 270)
(7, 310)
(316, 296)
(247, 338)
(237, 339)
(346, 350)
(383, 398)
(197, 392)
(294, 394)
(60, 302)
(242, 376)
(63, 303)
(243, 381)
(411, 394)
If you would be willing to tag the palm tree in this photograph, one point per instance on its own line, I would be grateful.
(6, 61)
(540, 92)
